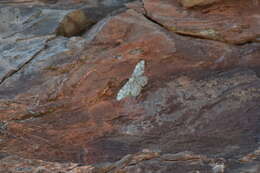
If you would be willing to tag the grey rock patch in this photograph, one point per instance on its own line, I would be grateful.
(24, 22)
(15, 55)
(135, 84)
(92, 33)
(49, 58)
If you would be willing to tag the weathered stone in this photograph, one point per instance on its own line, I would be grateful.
(20, 23)
(58, 100)
(192, 3)
(183, 156)
(228, 21)
(17, 54)
(19, 164)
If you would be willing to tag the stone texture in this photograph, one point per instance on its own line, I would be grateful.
(23, 22)
(192, 3)
(235, 22)
(58, 95)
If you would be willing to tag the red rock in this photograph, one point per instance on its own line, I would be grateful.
(232, 22)
(192, 3)
(202, 96)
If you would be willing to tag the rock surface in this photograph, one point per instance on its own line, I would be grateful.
(193, 3)
(195, 75)
(231, 21)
